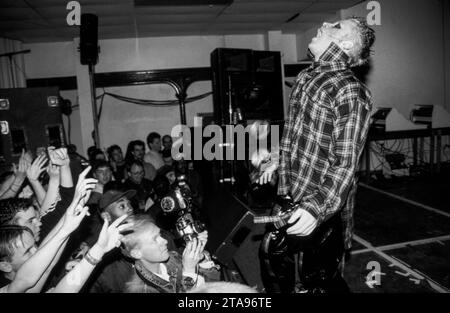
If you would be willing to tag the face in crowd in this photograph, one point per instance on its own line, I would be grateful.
(29, 218)
(103, 175)
(150, 246)
(155, 145)
(167, 142)
(136, 173)
(138, 152)
(24, 248)
(119, 208)
(117, 156)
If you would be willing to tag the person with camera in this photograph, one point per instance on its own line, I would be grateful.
(116, 270)
(159, 270)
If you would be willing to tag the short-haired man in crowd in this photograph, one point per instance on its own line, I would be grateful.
(153, 156)
(157, 269)
(18, 211)
(117, 269)
(136, 151)
(117, 162)
(101, 171)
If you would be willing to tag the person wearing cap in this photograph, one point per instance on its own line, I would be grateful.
(115, 271)
(114, 203)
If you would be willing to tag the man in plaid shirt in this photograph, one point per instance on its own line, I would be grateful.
(327, 125)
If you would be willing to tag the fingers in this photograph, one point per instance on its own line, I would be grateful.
(84, 188)
(84, 173)
(266, 177)
(118, 221)
(105, 226)
(60, 154)
(304, 226)
(295, 216)
(203, 236)
(84, 211)
(188, 249)
(123, 227)
(42, 159)
(200, 247)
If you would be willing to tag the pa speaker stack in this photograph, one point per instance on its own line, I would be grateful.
(30, 119)
(249, 82)
(89, 39)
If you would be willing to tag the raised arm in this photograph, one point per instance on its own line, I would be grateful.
(33, 172)
(33, 269)
(53, 186)
(61, 158)
(109, 238)
(20, 173)
(82, 192)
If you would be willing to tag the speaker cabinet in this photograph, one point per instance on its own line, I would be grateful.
(32, 119)
(248, 80)
(89, 39)
(233, 238)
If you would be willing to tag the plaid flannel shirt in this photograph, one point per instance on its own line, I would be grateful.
(324, 135)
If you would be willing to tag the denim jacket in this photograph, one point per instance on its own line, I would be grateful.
(144, 281)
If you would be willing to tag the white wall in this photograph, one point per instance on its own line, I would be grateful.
(121, 121)
(408, 59)
(447, 52)
(408, 54)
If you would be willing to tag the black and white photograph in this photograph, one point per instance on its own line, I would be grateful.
(248, 148)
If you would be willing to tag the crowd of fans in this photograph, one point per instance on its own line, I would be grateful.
(95, 224)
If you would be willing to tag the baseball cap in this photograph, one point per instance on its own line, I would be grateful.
(112, 196)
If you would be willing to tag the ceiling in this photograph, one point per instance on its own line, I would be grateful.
(45, 20)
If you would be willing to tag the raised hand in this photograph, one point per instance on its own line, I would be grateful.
(267, 163)
(203, 236)
(84, 187)
(21, 169)
(59, 156)
(73, 217)
(192, 255)
(36, 168)
(110, 236)
(53, 171)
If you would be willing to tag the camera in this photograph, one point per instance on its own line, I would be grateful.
(178, 204)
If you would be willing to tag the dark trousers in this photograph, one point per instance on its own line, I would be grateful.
(307, 264)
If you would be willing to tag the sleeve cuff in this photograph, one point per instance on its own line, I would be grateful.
(311, 209)
(196, 277)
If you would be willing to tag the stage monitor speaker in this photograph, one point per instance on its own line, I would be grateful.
(233, 238)
(31, 118)
(89, 39)
(247, 80)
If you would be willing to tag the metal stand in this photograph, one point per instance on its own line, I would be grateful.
(227, 167)
(94, 104)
